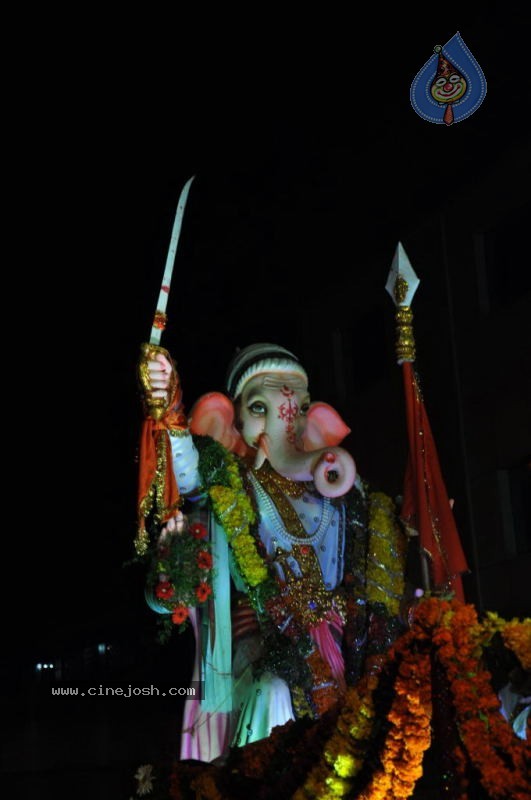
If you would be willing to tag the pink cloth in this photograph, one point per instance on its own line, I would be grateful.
(205, 735)
(329, 647)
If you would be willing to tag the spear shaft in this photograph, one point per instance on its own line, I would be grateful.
(426, 509)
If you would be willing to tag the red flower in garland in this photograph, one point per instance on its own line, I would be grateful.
(179, 615)
(204, 560)
(164, 590)
(203, 591)
(198, 530)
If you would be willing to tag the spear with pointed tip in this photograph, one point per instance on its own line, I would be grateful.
(426, 509)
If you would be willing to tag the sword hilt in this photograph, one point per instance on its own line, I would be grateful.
(155, 407)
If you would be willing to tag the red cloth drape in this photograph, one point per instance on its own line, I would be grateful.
(157, 487)
(426, 505)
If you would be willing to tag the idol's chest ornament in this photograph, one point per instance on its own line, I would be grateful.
(304, 595)
(277, 511)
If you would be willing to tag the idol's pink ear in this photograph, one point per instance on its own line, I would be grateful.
(324, 427)
(213, 415)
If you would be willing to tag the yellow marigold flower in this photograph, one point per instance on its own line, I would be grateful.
(345, 766)
(236, 512)
(366, 711)
(337, 786)
(517, 637)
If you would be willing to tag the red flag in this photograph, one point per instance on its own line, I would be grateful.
(426, 506)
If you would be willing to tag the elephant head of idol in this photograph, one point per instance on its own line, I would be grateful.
(268, 414)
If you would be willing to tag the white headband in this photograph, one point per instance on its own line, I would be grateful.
(258, 358)
(269, 365)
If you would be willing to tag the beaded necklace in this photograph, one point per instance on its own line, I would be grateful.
(305, 597)
(279, 512)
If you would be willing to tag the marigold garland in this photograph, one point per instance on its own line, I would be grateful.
(503, 760)
(345, 750)
(452, 631)
(515, 634)
(445, 630)
(235, 513)
(387, 553)
(409, 734)
(517, 637)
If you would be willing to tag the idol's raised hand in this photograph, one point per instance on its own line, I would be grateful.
(158, 380)
(159, 372)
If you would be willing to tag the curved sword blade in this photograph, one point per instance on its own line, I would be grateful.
(159, 320)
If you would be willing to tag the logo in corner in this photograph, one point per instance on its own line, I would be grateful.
(450, 86)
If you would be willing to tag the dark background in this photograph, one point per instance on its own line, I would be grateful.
(310, 166)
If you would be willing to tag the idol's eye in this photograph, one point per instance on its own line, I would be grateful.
(304, 409)
(440, 82)
(453, 78)
(258, 409)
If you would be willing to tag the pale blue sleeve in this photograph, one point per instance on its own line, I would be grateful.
(185, 462)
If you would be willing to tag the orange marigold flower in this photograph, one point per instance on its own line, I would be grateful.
(442, 636)
(427, 613)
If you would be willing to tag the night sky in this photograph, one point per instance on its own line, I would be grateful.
(310, 165)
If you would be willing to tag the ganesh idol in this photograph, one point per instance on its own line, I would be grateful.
(306, 562)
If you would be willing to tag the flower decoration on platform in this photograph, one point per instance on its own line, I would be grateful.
(503, 761)
(373, 747)
(515, 634)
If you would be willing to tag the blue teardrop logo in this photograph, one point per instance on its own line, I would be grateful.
(450, 86)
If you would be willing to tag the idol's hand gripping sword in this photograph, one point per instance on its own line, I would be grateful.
(156, 407)
(158, 492)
